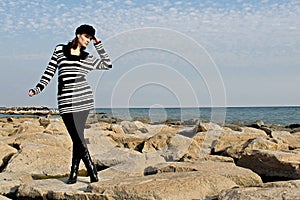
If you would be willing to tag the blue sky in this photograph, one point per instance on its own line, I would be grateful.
(250, 50)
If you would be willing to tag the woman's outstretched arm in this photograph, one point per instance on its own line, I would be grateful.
(47, 75)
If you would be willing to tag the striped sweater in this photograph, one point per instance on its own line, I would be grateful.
(74, 94)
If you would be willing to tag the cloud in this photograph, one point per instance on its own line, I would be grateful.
(241, 27)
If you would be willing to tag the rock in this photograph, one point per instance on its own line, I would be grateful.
(236, 151)
(57, 189)
(117, 129)
(241, 176)
(234, 127)
(10, 120)
(20, 127)
(3, 198)
(285, 164)
(228, 139)
(62, 141)
(275, 191)
(293, 126)
(44, 122)
(202, 145)
(6, 152)
(41, 161)
(295, 130)
(189, 131)
(126, 160)
(176, 148)
(9, 183)
(191, 122)
(93, 118)
(170, 121)
(291, 140)
(160, 141)
(145, 120)
(56, 127)
(128, 141)
(185, 185)
(129, 127)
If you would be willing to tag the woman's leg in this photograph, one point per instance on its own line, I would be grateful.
(75, 123)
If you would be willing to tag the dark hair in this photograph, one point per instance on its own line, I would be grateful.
(87, 29)
(73, 44)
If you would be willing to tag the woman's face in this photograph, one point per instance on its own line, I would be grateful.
(84, 39)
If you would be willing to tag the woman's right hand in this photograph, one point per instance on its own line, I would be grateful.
(31, 93)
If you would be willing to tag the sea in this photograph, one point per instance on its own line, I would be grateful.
(278, 115)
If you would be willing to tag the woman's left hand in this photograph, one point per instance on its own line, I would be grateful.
(96, 40)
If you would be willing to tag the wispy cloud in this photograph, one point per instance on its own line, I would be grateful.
(243, 27)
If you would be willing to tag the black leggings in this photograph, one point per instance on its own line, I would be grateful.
(75, 123)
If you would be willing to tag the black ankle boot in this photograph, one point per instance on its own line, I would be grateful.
(90, 166)
(74, 171)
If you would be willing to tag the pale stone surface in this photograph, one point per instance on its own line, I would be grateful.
(126, 160)
(239, 175)
(6, 152)
(57, 189)
(3, 198)
(272, 163)
(290, 139)
(236, 151)
(230, 138)
(176, 148)
(289, 190)
(184, 185)
(41, 160)
(9, 182)
(159, 141)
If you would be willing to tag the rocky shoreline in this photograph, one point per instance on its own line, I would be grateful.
(143, 160)
(33, 110)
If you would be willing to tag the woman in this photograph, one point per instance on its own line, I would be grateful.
(74, 96)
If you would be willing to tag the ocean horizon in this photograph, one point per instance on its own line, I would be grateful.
(279, 115)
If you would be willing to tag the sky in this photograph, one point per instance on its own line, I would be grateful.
(165, 53)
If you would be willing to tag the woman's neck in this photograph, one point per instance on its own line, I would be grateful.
(75, 51)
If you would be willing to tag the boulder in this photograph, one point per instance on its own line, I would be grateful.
(41, 161)
(129, 161)
(236, 151)
(44, 122)
(176, 148)
(228, 139)
(275, 191)
(290, 139)
(159, 141)
(269, 163)
(130, 141)
(241, 176)
(56, 127)
(10, 182)
(57, 189)
(201, 145)
(129, 127)
(184, 185)
(6, 152)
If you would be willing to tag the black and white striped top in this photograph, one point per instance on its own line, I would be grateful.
(74, 93)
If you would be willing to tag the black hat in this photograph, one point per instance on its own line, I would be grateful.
(87, 29)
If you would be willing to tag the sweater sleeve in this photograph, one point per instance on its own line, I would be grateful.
(103, 62)
(48, 74)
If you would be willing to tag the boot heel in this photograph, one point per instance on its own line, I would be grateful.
(90, 166)
(74, 171)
